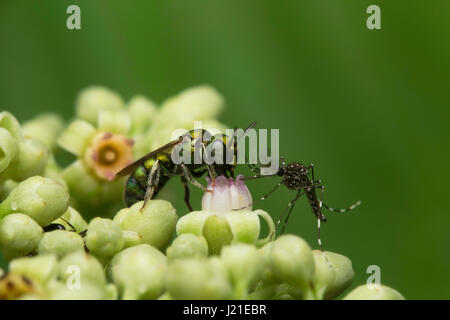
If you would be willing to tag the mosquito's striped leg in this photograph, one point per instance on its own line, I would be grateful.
(318, 234)
(310, 168)
(258, 176)
(271, 191)
(289, 207)
(152, 181)
(263, 197)
(353, 206)
(320, 217)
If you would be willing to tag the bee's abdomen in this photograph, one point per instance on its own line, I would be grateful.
(136, 186)
(134, 192)
(141, 176)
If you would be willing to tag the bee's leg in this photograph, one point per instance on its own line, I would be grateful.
(198, 174)
(152, 181)
(232, 171)
(212, 173)
(187, 194)
(289, 207)
(187, 174)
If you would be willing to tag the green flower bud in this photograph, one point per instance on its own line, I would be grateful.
(118, 121)
(139, 272)
(19, 235)
(8, 149)
(218, 233)
(43, 199)
(87, 291)
(10, 123)
(30, 161)
(42, 268)
(381, 292)
(6, 188)
(165, 296)
(221, 229)
(143, 112)
(130, 238)
(83, 186)
(76, 137)
(267, 275)
(324, 274)
(92, 100)
(104, 238)
(188, 246)
(53, 171)
(193, 104)
(244, 266)
(155, 224)
(74, 218)
(221, 221)
(60, 243)
(344, 274)
(293, 262)
(45, 128)
(111, 292)
(89, 268)
(198, 279)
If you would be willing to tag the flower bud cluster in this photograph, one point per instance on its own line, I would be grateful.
(65, 234)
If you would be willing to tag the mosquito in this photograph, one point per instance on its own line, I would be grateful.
(300, 178)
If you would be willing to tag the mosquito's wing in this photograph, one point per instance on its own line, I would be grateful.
(131, 167)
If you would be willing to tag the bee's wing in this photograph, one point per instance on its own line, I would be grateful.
(131, 167)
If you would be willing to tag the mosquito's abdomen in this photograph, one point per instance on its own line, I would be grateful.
(315, 204)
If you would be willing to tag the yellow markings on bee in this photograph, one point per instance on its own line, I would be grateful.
(149, 163)
(163, 157)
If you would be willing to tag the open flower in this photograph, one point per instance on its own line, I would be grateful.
(108, 153)
(226, 216)
(100, 152)
(102, 139)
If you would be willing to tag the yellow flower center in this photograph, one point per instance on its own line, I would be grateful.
(108, 153)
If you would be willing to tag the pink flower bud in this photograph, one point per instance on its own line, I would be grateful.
(224, 195)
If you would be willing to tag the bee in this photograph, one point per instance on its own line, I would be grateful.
(300, 178)
(150, 173)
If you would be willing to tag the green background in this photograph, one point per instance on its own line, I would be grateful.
(370, 108)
